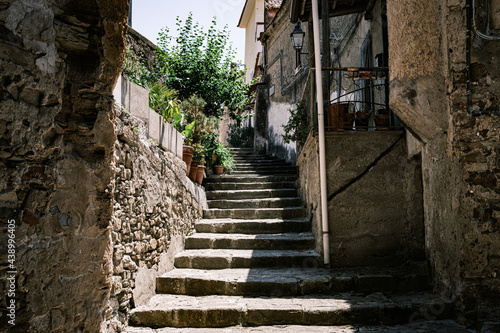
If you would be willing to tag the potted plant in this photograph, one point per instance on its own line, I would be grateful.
(179, 122)
(224, 161)
(198, 160)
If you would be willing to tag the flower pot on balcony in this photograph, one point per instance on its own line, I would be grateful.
(218, 169)
(200, 174)
(336, 117)
(187, 157)
(349, 121)
(382, 122)
(193, 171)
(362, 120)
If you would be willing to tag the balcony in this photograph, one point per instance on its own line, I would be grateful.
(359, 101)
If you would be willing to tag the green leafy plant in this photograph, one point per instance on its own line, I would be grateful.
(193, 109)
(164, 101)
(210, 143)
(135, 70)
(224, 158)
(296, 129)
(240, 137)
(199, 62)
(199, 154)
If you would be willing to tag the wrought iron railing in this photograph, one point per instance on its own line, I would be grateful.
(359, 102)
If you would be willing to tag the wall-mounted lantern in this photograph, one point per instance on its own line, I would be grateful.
(297, 37)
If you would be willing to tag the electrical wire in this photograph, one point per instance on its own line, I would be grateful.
(476, 30)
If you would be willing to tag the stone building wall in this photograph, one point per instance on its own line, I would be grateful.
(374, 198)
(59, 63)
(155, 205)
(283, 87)
(460, 151)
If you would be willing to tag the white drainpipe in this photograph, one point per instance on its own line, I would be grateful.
(321, 134)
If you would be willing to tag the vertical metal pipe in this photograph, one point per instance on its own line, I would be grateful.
(321, 134)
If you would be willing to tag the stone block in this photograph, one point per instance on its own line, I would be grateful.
(136, 100)
(117, 92)
(155, 125)
(165, 136)
(180, 143)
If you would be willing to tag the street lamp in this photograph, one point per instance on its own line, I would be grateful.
(297, 37)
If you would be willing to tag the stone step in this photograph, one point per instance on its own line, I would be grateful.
(286, 282)
(250, 179)
(258, 161)
(285, 241)
(270, 226)
(251, 194)
(264, 168)
(286, 171)
(434, 326)
(222, 259)
(243, 158)
(264, 164)
(233, 149)
(214, 186)
(248, 213)
(255, 203)
(343, 309)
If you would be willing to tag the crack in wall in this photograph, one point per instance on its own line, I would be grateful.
(368, 168)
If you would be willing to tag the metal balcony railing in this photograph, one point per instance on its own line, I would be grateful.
(359, 100)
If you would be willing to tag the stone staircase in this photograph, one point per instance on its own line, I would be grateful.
(251, 266)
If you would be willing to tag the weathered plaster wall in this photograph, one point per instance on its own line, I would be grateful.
(284, 86)
(58, 65)
(374, 198)
(460, 151)
(154, 208)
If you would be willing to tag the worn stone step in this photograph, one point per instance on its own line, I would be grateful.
(248, 213)
(343, 309)
(290, 241)
(290, 281)
(281, 171)
(434, 326)
(251, 179)
(269, 226)
(263, 168)
(263, 164)
(214, 186)
(253, 157)
(251, 194)
(222, 259)
(255, 203)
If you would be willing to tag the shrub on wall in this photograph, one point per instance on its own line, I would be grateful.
(297, 127)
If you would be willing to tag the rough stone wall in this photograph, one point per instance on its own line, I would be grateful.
(460, 151)
(155, 205)
(58, 66)
(374, 198)
(141, 47)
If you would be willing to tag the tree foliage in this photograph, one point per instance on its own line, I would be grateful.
(201, 63)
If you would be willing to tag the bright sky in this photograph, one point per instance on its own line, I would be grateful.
(149, 16)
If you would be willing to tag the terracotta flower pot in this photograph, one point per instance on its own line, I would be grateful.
(336, 117)
(362, 120)
(187, 157)
(382, 122)
(193, 171)
(218, 169)
(200, 174)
